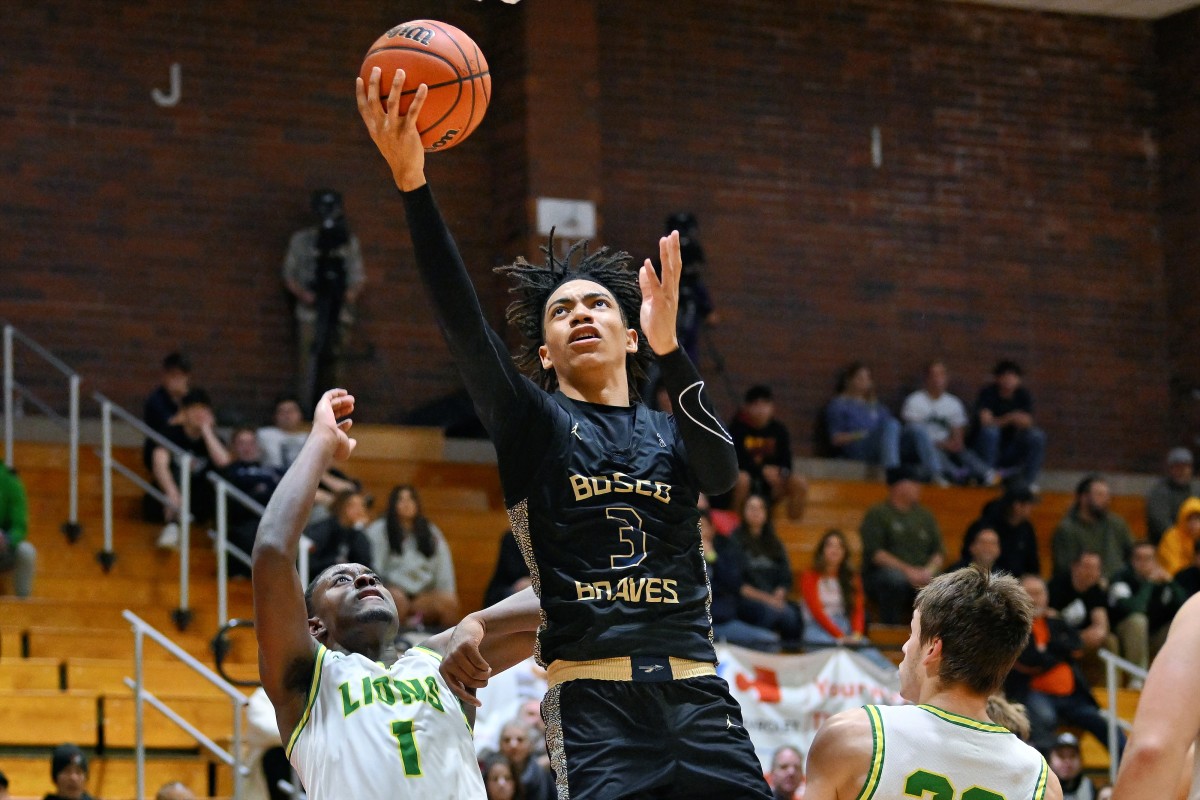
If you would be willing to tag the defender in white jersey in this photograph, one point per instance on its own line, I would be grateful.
(355, 728)
(1162, 761)
(967, 631)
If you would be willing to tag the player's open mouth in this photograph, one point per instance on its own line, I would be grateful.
(584, 335)
(366, 593)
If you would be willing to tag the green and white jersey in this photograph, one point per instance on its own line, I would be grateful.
(926, 752)
(370, 731)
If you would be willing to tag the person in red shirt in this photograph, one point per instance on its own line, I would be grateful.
(833, 600)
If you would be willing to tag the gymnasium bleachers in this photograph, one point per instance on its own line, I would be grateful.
(65, 651)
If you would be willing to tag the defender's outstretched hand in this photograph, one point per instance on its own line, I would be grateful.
(464, 667)
(395, 134)
(660, 296)
(334, 405)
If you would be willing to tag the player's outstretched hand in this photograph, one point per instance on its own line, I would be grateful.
(660, 296)
(464, 667)
(334, 405)
(395, 134)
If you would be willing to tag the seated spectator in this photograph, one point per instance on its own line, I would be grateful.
(786, 777)
(1142, 601)
(1090, 525)
(161, 408)
(340, 538)
(69, 771)
(766, 574)
(1177, 549)
(902, 547)
(936, 427)
(196, 434)
(174, 791)
(983, 550)
(859, 426)
(413, 559)
(1080, 600)
(263, 751)
(723, 561)
(17, 554)
(1066, 763)
(1168, 493)
(1008, 516)
(764, 454)
(833, 600)
(1188, 579)
(251, 476)
(1047, 678)
(500, 778)
(516, 744)
(511, 574)
(1005, 435)
(1008, 714)
(280, 443)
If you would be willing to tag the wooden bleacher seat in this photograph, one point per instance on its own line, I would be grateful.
(111, 777)
(212, 715)
(107, 676)
(30, 673)
(47, 718)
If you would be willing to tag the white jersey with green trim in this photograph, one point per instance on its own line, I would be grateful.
(924, 751)
(370, 731)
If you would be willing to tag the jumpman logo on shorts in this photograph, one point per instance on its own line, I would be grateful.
(575, 431)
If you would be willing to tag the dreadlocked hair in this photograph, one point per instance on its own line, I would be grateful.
(532, 285)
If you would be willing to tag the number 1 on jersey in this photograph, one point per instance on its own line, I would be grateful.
(629, 526)
(410, 754)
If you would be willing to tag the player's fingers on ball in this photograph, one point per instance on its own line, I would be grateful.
(373, 85)
(393, 99)
(418, 102)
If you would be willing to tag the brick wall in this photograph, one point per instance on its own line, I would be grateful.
(1179, 98)
(1015, 212)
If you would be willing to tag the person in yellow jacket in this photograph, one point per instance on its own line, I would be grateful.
(1177, 550)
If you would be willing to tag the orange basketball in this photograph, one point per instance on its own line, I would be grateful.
(447, 61)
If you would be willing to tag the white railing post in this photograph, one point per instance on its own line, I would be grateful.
(222, 562)
(8, 395)
(139, 711)
(1110, 680)
(183, 613)
(72, 527)
(106, 470)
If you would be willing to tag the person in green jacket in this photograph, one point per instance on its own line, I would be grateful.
(17, 555)
(1090, 525)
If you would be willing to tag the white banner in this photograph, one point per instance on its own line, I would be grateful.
(785, 698)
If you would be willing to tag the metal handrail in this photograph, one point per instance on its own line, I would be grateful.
(142, 629)
(11, 387)
(1113, 663)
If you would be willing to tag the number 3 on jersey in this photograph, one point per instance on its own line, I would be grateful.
(929, 786)
(629, 528)
(410, 754)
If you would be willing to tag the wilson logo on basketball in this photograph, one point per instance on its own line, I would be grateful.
(446, 137)
(416, 33)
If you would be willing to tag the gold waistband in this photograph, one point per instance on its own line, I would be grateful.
(621, 669)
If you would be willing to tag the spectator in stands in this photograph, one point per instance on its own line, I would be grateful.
(174, 791)
(902, 547)
(1142, 601)
(1080, 600)
(500, 778)
(983, 550)
(17, 554)
(723, 560)
(340, 538)
(249, 475)
(1005, 435)
(263, 751)
(764, 454)
(1008, 714)
(161, 408)
(516, 744)
(511, 574)
(833, 600)
(936, 427)
(1065, 761)
(786, 778)
(1091, 526)
(859, 426)
(1008, 516)
(413, 559)
(1168, 493)
(1047, 678)
(195, 433)
(766, 574)
(1177, 549)
(69, 771)
(281, 441)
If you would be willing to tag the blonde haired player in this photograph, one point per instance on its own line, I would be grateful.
(967, 631)
(353, 725)
(1157, 764)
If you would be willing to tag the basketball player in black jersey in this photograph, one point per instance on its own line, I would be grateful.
(601, 492)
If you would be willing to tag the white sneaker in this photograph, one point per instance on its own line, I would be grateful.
(169, 538)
